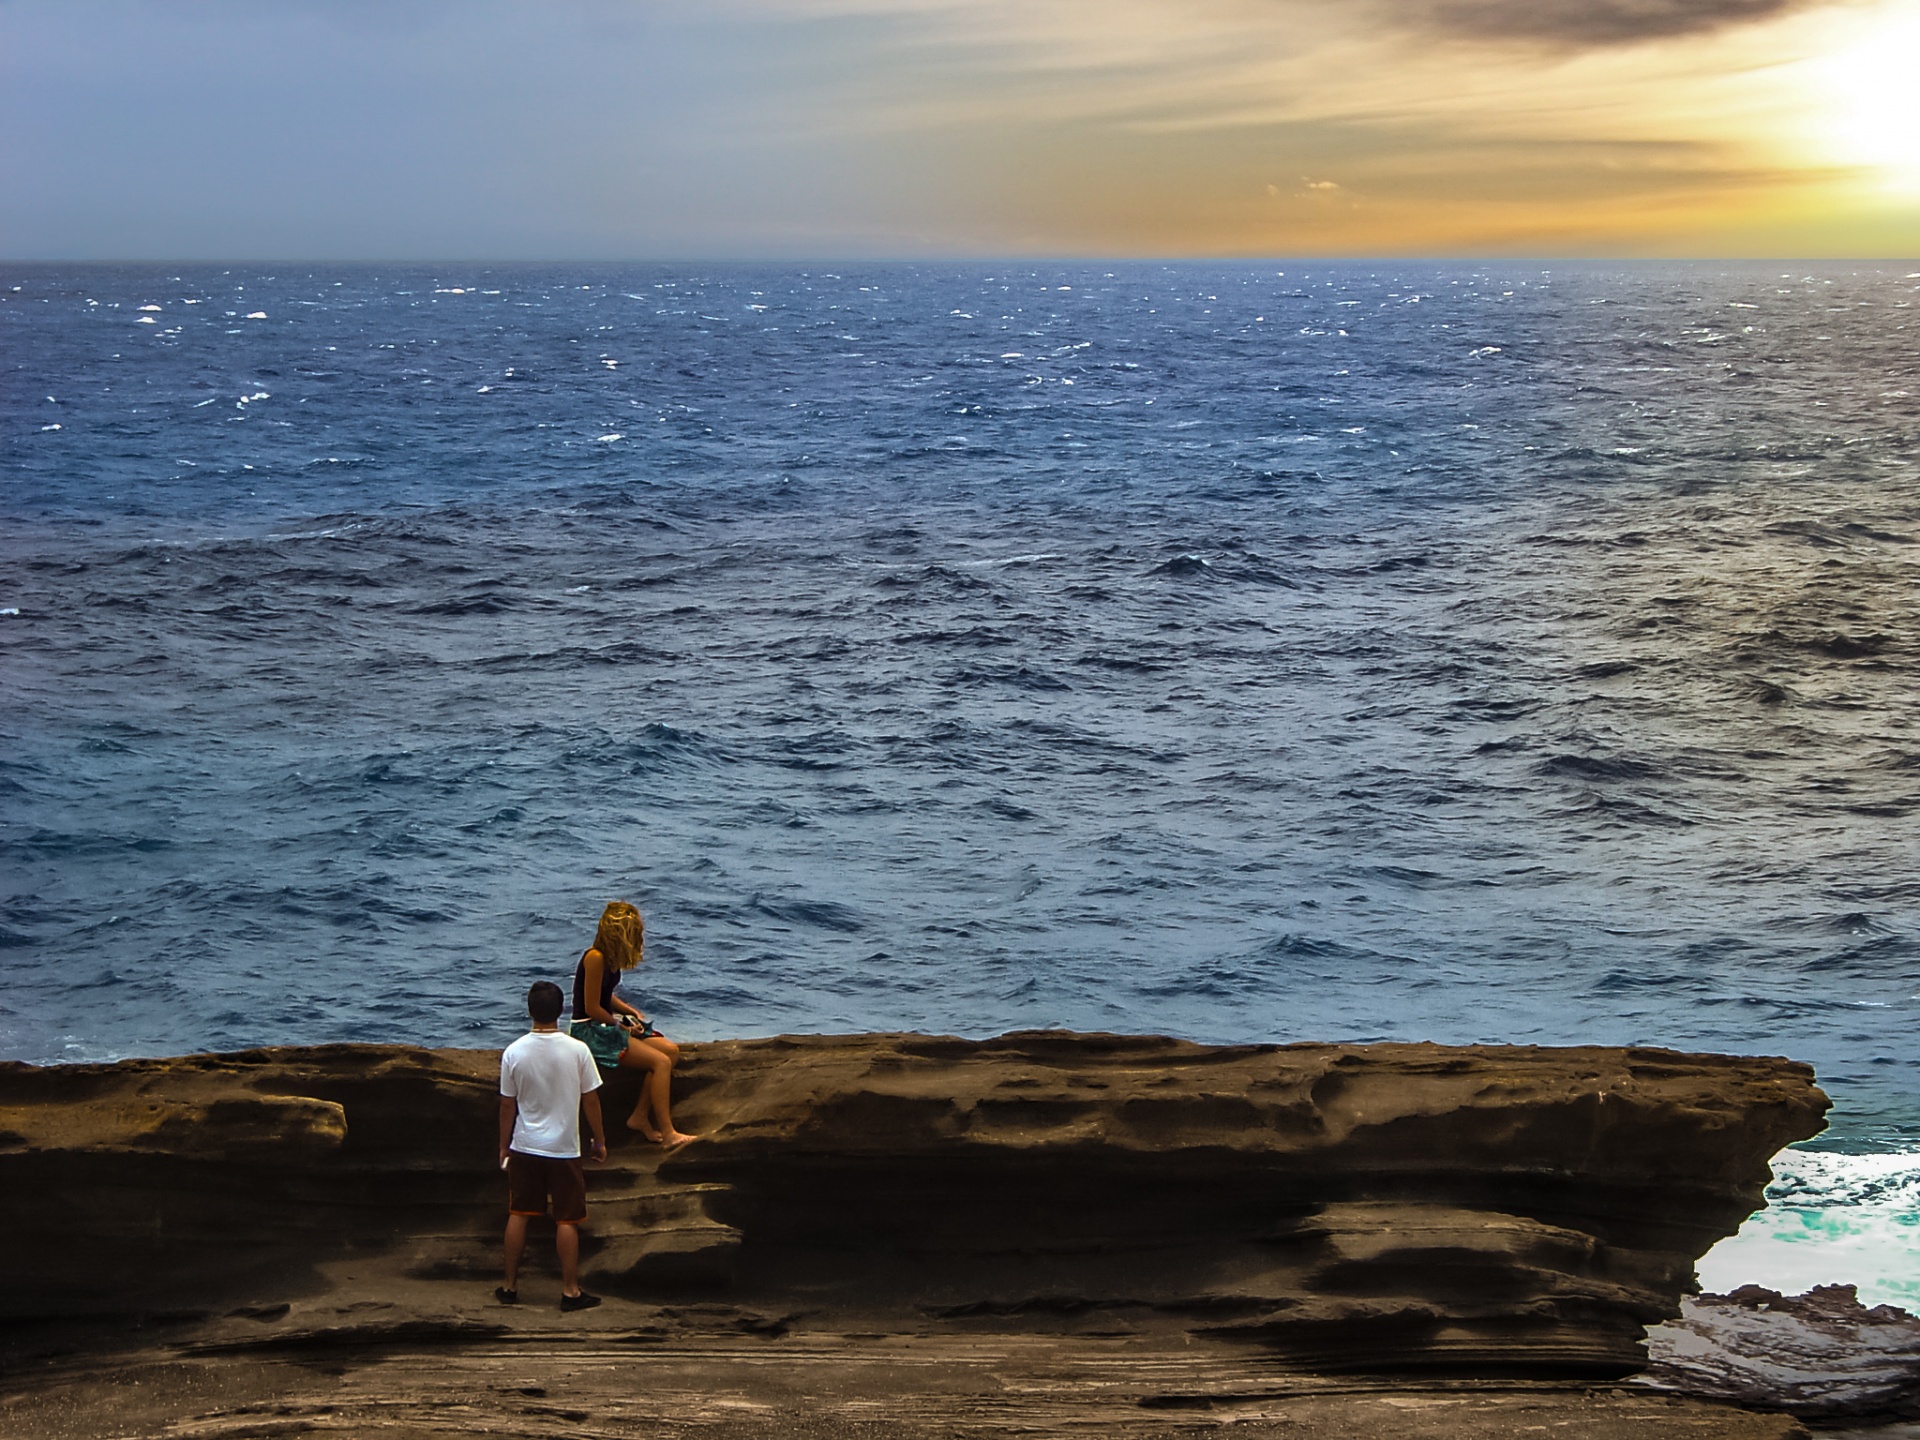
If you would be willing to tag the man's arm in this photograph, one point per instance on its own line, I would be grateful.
(509, 1111)
(590, 1102)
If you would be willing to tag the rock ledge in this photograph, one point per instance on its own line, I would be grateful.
(1475, 1211)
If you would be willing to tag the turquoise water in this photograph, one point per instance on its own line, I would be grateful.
(1832, 1218)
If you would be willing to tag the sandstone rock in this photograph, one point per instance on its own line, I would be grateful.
(1483, 1211)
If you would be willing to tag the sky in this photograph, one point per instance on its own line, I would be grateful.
(656, 129)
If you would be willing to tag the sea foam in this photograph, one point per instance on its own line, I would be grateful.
(1830, 1219)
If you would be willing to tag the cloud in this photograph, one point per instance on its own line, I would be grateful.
(612, 128)
(1590, 24)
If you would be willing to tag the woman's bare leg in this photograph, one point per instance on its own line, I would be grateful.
(658, 1067)
(660, 1082)
(662, 1044)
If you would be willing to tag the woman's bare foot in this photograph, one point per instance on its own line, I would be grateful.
(674, 1139)
(645, 1126)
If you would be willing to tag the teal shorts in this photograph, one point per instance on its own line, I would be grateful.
(607, 1041)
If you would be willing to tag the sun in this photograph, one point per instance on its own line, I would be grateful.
(1865, 99)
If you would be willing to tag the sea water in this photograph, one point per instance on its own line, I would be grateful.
(1498, 652)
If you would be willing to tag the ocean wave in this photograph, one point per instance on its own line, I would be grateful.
(1599, 767)
(483, 602)
(819, 914)
(1831, 1219)
(1020, 677)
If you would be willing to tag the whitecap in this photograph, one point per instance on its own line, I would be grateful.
(615, 436)
(484, 390)
(256, 315)
(146, 320)
(1831, 1219)
(45, 428)
(10, 610)
(149, 307)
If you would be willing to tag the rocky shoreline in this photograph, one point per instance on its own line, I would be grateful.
(1822, 1356)
(1044, 1230)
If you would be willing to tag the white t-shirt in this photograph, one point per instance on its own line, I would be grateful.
(546, 1072)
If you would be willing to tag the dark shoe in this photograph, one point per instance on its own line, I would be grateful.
(582, 1301)
(506, 1296)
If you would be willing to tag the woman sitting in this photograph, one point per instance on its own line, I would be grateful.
(616, 1033)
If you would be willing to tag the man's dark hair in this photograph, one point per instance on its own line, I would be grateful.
(543, 1002)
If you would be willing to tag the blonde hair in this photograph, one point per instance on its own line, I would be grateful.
(622, 936)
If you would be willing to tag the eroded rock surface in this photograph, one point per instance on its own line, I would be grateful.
(661, 1382)
(1822, 1355)
(1483, 1211)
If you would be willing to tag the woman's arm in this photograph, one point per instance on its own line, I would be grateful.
(595, 966)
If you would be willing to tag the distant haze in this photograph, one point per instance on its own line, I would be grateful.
(338, 129)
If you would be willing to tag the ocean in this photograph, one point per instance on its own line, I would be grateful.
(1499, 652)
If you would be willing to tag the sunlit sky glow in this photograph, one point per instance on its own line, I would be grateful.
(332, 129)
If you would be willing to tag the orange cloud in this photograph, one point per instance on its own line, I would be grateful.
(1278, 127)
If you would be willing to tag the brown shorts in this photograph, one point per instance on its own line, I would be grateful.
(532, 1178)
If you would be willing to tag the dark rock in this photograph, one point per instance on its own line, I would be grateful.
(1822, 1355)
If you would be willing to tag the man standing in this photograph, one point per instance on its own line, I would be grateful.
(546, 1079)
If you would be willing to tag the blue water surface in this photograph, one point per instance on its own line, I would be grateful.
(1252, 651)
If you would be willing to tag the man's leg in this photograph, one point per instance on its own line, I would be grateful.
(516, 1242)
(566, 1240)
(569, 1180)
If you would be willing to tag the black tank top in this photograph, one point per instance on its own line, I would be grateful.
(609, 977)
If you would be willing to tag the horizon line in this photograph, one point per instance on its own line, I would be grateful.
(1008, 258)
